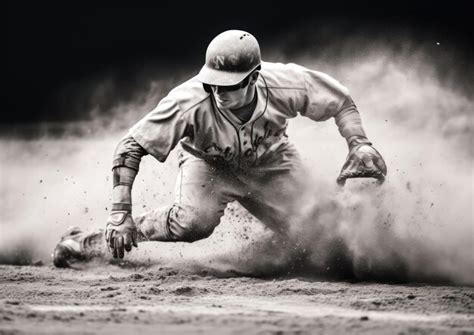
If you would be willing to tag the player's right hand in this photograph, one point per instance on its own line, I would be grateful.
(120, 233)
(363, 161)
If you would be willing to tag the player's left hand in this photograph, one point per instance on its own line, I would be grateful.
(363, 161)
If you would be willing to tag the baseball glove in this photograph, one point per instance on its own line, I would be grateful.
(363, 161)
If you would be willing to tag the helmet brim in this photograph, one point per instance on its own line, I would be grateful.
(214, 77)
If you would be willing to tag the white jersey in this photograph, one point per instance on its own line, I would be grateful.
(189, 115)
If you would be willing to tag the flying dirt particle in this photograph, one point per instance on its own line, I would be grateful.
(136, 276)
(112, 295)
(109, 288)
(364, 318)
(154, 290)
(41, 180)
(12, 302)
(45, 197)
(411, 296)
(119, 309)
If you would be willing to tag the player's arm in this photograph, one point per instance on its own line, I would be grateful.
(121, 233)
(155, 134)
(324, 97)
(321, 97)
(363, 160)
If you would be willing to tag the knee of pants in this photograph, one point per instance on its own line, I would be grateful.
(190, 224)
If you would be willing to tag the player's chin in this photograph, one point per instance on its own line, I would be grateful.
(224, 103)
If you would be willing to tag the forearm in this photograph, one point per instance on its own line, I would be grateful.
(350, 124)
(123, 193)
(126, 164)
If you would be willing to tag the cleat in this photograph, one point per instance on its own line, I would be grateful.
(70, 249)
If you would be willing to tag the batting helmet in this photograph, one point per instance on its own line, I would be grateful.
(230, 57)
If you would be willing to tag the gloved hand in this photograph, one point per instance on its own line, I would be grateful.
(120, 232)
(363, 161)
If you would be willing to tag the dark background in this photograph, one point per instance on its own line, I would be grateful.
(52, 46)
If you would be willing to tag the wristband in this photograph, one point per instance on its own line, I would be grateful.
(120, 206)
(357, 140)
(121, 177)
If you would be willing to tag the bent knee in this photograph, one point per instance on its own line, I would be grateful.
(191, 234)
(189, 224)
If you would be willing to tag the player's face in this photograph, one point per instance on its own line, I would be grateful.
(236, 96)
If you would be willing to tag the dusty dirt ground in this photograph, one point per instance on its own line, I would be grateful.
(126, 298)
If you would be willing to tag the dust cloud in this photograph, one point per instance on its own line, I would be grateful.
(417, 226)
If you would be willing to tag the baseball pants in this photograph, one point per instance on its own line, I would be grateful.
(272, 192)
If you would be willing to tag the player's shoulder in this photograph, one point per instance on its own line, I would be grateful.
(189, 94)
(284, 76)
(296, 77)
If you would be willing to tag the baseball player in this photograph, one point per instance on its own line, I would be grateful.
(229, 124)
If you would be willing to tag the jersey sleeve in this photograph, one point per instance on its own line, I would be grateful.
(325, 97)
(348, 120)
(128, 153)
(161, 129)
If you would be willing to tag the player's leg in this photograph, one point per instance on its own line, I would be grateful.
(284, 198)
(277, 190)
(275, 194)
(201, 196)
(305, 215)
(202, 193)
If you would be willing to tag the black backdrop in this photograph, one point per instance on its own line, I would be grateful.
(50, 45)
